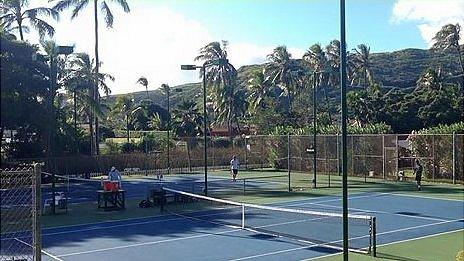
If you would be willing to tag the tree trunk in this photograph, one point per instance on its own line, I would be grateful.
(127, 128)
(20, 28)
(462, 66)
(327, 104)
(188, 154)
(97, 67)
(75, 119)
(75, 109)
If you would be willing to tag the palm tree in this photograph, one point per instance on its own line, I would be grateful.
(222, 76)
(285, 73)
(15, 12)
(316, 60)
(126, 106)
(363, 70)
(431, 80)
(332, 51)
(77, 6)
(258, 88)
(81, 76)
(448, 38)
(187, 124)
(56, 65)
(144, 82)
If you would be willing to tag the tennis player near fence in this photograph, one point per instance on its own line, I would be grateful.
(234, 164)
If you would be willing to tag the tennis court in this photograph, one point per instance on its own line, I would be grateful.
(197, 237)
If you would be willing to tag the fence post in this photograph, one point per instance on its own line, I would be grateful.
(397, 155)
(352, 155)
(339, 169)
(433, 157)
(454, 157)
(36, 229)
(288, 161)
(246, 152)
(383, 156)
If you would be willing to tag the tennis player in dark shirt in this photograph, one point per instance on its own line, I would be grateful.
(418, 171)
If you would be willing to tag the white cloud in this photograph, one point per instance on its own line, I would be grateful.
(430, 15)
(149, 41)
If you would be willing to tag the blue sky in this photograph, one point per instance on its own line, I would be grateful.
(159, 35)
(302, 23)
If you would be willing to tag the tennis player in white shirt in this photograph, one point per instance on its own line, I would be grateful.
(234, 164)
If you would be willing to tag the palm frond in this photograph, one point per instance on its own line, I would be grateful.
(107, 14)
(142, 81)
(123, 4)
(43, 27)
(42, 11)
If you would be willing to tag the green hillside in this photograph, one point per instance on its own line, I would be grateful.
(399, 69)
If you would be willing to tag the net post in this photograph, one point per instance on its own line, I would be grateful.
(373, 236)
(244, 186)
(36, 230)
(243, 216)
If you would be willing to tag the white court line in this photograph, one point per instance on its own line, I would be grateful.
(329, 200)
(397, 242)
(189, 237)
(383, 212)
(146, 222)
(148, 217)
(42, 251)
(231, 231)
(418, 196)
(149, 243)
(387, 232)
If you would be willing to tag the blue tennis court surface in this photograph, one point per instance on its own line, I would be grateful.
(173, 237)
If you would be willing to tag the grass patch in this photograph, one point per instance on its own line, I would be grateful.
(440, 247)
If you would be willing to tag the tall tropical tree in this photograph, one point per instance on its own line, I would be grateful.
(77, 6)
(258, 88)
(332, 51)
(222, 77)
(187, 124)
(316, 60)
(363, 69)
(144, 82)
(127, 107)
(80, 78)
(448, 38)
(55, 65)
(15, 15)
(285, 73)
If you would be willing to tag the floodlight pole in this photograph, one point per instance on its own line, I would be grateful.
(344, 134)
(205, 129)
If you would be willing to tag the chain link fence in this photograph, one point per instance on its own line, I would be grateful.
(20, 213)
(374, 156)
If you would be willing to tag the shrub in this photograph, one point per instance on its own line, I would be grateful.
(112, 147)
(128, 147)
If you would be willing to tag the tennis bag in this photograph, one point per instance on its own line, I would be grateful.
(145, 204)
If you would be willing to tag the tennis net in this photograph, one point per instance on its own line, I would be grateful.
(76, 189)
(315, 228)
